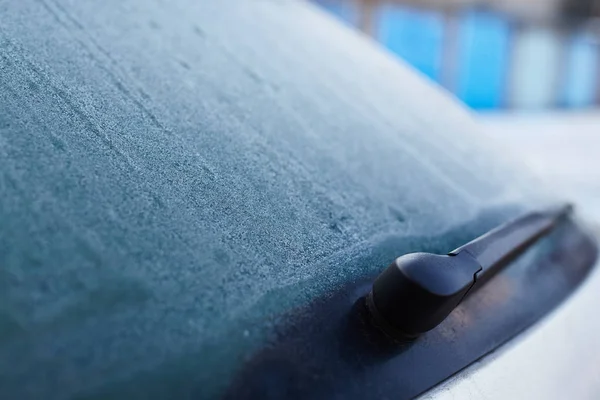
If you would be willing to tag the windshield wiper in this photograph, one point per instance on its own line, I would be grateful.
(419, 290)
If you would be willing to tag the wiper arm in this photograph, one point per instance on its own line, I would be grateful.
(419, 290)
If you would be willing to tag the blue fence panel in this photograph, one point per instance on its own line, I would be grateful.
(344, 10)
(581, 83)
(414, 35)
(484, 59)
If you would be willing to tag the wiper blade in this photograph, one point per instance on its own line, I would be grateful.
(502, 244)
(419, 290)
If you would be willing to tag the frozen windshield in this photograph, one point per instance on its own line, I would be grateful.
(174, 176)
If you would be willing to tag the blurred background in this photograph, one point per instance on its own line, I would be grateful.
(529, 68)
(492, 54)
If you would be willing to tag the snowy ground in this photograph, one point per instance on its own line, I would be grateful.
(563, 147)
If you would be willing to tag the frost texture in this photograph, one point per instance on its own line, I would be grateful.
(175, 175)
